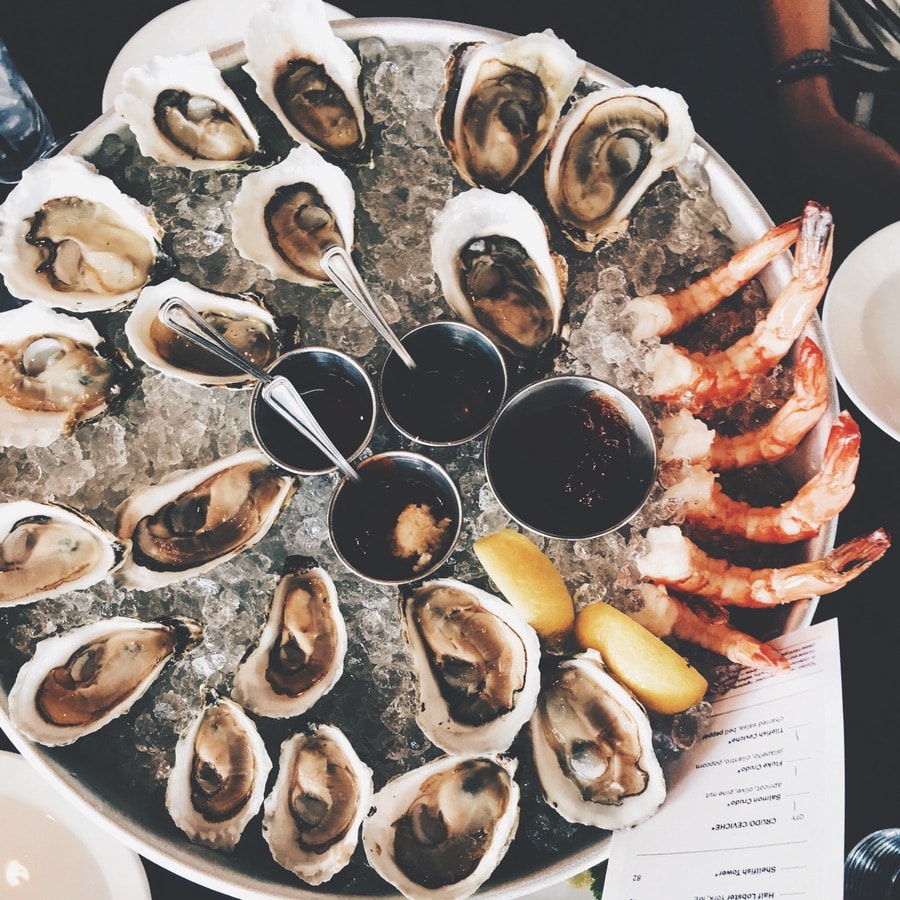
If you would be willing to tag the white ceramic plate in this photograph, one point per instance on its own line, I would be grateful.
(861, 317)
(47, 845)
(186, 28)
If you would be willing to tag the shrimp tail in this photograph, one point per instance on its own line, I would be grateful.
(823, 576)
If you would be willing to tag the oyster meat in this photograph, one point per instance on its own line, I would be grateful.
(307, 76)
(606, 151)
(56, 372)
(502, 101)
(199, 518)
(284, 217)
(593, 747)
(80, 680)
(299, 656)
(492, 254)
(477, 666)
(47, 549)
(314, 811)
(182, 113)
(70, 239)
(440, 830)
(242, 320)
(218, 781)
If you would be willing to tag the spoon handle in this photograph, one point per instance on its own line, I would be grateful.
(190, 324)
(277, 391)
(340, 268)
(282, 396)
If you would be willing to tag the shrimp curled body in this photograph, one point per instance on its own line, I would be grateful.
(698, 381)
(797, 519)
(673, 560)
(666, 616)
(686, 437)
(658, 315)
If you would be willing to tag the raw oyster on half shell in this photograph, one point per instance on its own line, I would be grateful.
(502, 101)
(197, 519)
(47, 549)
(218, 781)
(284, 217)
(182, 113)
(307, 76)
(242, 320)
(314, 811)
(440, 830)
(80, 680)
(299, 655)
(477, 666)
(606, 151)
(56, 373)
(70, 239)
(593, 747)
(492, 255)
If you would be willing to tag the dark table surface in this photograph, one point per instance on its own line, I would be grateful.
(714, 54)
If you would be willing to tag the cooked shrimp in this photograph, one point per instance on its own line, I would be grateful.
(673, 560)
(697, 380)
(658, 315)
(686, 437)
(667, 616)
(797, 519)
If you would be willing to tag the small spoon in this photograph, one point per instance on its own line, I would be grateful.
(340, 268)
(276, 390)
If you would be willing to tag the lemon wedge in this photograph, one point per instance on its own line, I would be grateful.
(529, 580)
(657, 675)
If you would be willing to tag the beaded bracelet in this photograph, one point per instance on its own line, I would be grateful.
(807, 64)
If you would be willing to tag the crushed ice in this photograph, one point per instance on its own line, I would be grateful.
(167, 424)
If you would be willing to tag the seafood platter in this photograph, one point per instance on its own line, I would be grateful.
(181, 649)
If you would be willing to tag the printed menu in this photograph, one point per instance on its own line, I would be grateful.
(756, 808)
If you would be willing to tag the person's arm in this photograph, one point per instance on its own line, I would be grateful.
(817, 134)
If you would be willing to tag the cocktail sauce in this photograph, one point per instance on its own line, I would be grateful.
(567, 470)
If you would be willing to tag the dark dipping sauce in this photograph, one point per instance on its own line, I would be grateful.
(448, 398)
(343, 406)
(363, 519)
(455, 391)
(568, 471)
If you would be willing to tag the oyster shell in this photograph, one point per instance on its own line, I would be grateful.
(199, 518)
(313, 813)
(440, 830)
(502, 102)
(242, 320)
(56, 372)
(47, 549)
(218, 781)
(286, 216)
(182, 113)
(307, 76)
(606, 151)
(70, 239)
(593, 747)
(477, 666)
(299, 656)
(492, 254)
(80, 680)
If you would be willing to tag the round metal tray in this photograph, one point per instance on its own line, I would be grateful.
(250, 873)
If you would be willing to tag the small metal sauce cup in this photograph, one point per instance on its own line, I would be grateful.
(340, 395)
(454, 393)
(396, 486)
(519, 459)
